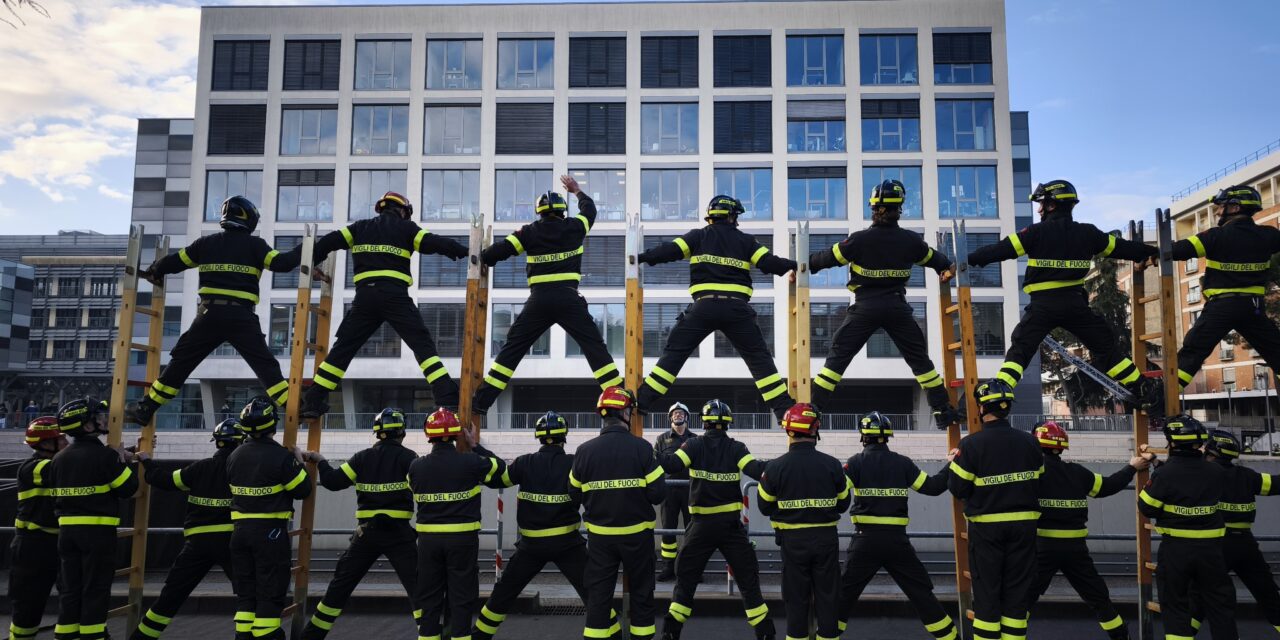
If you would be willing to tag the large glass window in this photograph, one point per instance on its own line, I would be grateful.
(764, 320)
(504, 315)
(962, 58)
(888, 59)
(988, 328)
(380, 130)
(910, 177)
(97, 350)
(817, 193)
(815, 60)
(305, 195)
(669, 194)
(890, 125)
(525, 64)
(598, 128)
(815, 136)
(611, 323)
(69, 287)
(988, 276)
(669, 128)
(450, 194)
(367, 188)
(172, 326)
(666, 275)
(106, 318)
(880, 346)
(453, 64)
(826, 318)
(66, 349)
(220, 185)
(289, 279)
(446, 320)
(743, 126)
(967, 192)
(382, 65)
(280, 331)
(607, 188)
(659, 320)
(452, 130)
(437, 272)
(753, 187)
(966, 125)
(668, 62)
(603, 264)
(66, 318)
(309, 132)
(516, 192)
(597, 62)
(102, 287)
(312, 65)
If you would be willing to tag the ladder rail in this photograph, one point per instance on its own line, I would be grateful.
(633, 347)
(475, 323)
(1138, 326)
(798, 329)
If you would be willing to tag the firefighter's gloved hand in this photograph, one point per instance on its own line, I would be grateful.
(151, 276)
(646, 258)
(457, 251)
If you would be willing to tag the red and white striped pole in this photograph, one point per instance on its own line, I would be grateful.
(497, 547)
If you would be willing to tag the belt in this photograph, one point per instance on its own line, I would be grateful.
(225, 301)
(717, 296)
(1234, 294)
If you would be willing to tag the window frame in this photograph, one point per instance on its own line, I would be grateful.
(397, 115)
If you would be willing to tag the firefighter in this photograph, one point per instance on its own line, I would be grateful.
(1060, 252)
(265, 478)
(446, 486)
(384, 510)
(230, 264)
(676, 505)
(553, 268)
(34, 558)
(995, 472)
(1237, 256)
(618, 480)
(881, 479)
(380, 248)
(720, 260)
(880, 259)
(803, 493)
(89, 481)
(206, 529)
(1064, 513)
(716, 463)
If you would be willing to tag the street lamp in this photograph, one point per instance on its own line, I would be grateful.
(1263, 375)
(1230, 408)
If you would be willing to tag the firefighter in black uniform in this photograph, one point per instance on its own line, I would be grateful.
(1060, 252)
(995, 472)
(446, 486)
(265, 478)
(1236, 254)
(230, 264)
(89, 481)
(1064, 515)
(553, 268)
(880, 259)
(720, 260)
(34, 558)
(618, 480)
(384, 510)
(1181, 498)
(881, 480)
(716, 463)
(380, 248)
(803, 493)
(677, 503)
(548, 521)
(206, 529)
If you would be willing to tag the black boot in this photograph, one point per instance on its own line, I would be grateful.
(668, 572)
(315, 401)
(141, 412)
(671, 628)
(1149, 395)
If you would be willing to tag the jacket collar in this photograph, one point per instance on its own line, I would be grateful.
(802, 445)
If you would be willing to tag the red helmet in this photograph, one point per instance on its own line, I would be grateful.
(442, 424)
(802, 419)
(615, 399)
(392, 198)
(1051, 436)
(41, 429)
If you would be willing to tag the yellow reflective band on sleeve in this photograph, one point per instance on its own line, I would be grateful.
(297, 480)
(722, 508)
(742, 462)
(1237, 267)
(1256, 291)
(1266, 484)
(417, 240)
(515, 242)
(1111, 246)
(177, 480)
(506, 477)
(879, 273)
(121, 479)
(460, 527)
(451, 496)
(346, 233)
(684, 246)
(211, 528)
(547, 533)
(1052, 284)
(555, 277)
(1017, 244)
(657, 386)
(848, 486)
(760, 253)
(231, 268)
(1046, 263)
(586, 224)
(919, 481)
(721, 261)
(230, 293)
(960, 471)
(553, 257)
(889, 520)
(684, 457)
(270, 257)
(350, 472)
(1192, 533)
(1062, 533)
(1113, 623)
(1011, 516)
(186, 259)
(1097, 485)
(384, 273)
(32, 493)
(929, 380)
(390, 513)
(1199, 246)
(727, 288)
(765, 495)
(710, 476)
(619, 531)
(927, 257)
(835, 250)
(1147, 498)
(493, 468)
(1006, 478)
(653, 476)
(65, 521)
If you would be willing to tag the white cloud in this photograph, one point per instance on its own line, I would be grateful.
(112, 193)
(59, 156)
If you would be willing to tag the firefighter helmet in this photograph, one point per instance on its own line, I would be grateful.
(716, 414)
(1184, 432)
(889, 192)
(42, 429)
(395, 203)
(75, 416)
(551, 203)
(258, 417)
(1223, 444)
(724, 207)
(1055, 191)
(228, 433)
(802, 419)
(1051, 436)
(876, 424)
(551, 426)
(679, 406)
(995, 396)
(239, 212)
(1247, 197)
(615, 399)
(389, 423)
(441, 425)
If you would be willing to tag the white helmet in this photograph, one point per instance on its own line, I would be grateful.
(679, 406)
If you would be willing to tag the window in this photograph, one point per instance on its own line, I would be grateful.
(607, 188)
(66, 350)
(380, 130)
(384, 343)
(1228, 352)
(446, 320)
(669, 274)
(42, 287)
(312, 65)
(289, 280)
(910, 177)
(241, 65)
(815, 60)
(611, 323)
(103, 287)
(450, 194)
(437, 272)
(524, 129)
(452, 130)
(962, 58)
(517, 190)
(603, 264)
(743, 61)
(669, 194)
(890, 125)
(827, 318)
(988, 276)
(743, 127)
(669, 62)
(988, 327)
(525, 64)
(36, 350)
(172, 320)
(305, 195)
(382, 65)
(669, 128)
(659, 320)
(816, 193)
(888, 59)
(1193, 292)
(503, 316)
(97, 350)
(815, 126)
(367, 188)
(764, 320)
(280, 331)
(70, 287)
(453, 64)
(237, 129)
(753, 187)
(760, 279)
(967, 192)
(39, 318)
(966, 125)
(106, 318)
(66, 318)
(309, 132)
(881, 346)
(597, 62)
(220, 185)
(598, 127)
(1195, 316)
(1229, 376)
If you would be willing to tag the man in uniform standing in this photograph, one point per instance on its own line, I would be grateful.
(33, 561)
(676, 506)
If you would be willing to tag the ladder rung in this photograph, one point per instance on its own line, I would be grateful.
(295, 569)
(120, 573)
(313, 346)
(1151, 566)
(1150, 336)
(952, 309)
(1151, 298)
(125, 533)
(954, 345)
(142, 347)
(323, 313)
(289, 610)
(1153, 607)
(964, 535)
(1148, 526)
(119, 611)
(147, 311)
(968, 613)
(138, 383)
(294, 533)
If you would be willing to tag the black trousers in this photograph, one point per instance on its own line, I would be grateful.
(706, 535)
(811, 577)
(88, 554)
(447, 576)
(199, 554)
(1071, 557)
(1243, 557)
(733, 317)
(1193, 570)
(1068, 309)
(381, 301)
(873, 548)
(232, 322)
(33, 570)
(373, 539)
(568, 552)
(867, 315)
(1002, 561)
(673, 508)
(1247, 315)
(605, 553)
(548, 304)
(261, 562)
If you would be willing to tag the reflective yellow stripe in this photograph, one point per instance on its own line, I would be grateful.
(230, 293)
(1239, 525)
(723, 508)
(803, 525)
(555, 277)
(919, 481)
(384, 273)
(586, 224)
(121, 479)
(269, 258)
(619, 531)
(684, 457)
(493, 468)
(273, 515)
(417, 240)
(768, 380)
(231, 268)
(715, 477)
(213, 503)
(939, 625)
(830, 374)
(1052, 284)
(1238, 507)
(164, 388)
(1017, 245)
(495, 382)
(1195, 242)
(1007, 478)
(774, 392)
(1266, 484)
(861, 519)
(807, 503)
(451, 496)
(257, 491)
(275, 389)
(1149, 499)
(1111, 246)
(177, 480)
(186, 259)
(346, 233)
(1257, 291)
(646, 630)
(1192, 533)
(88, 520)
(1059, 264)
(553, 257)
(385, 487)
(1113, 623)
(653, 476)
(824, 383)
(765, 495)
(835, 249)
(1011, 516)
(515, 242)
(1097, 485)
(684, 246)
(760, 253)
(553, 531)
(349, 472)
(927, 257)
(879, 273)
(729, 288)
(31, 526)
(960, 471)
(460, 527)
(32, 493)
(382, 248)
(744, 460)
(1058, 503)
(210, 528)
(985, 625)
(1013, 623)
(722, 261)
(1237, 266)
(390, 513)
(297, 480)
(1062, 533)
(873, 492)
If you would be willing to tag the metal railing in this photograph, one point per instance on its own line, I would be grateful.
(1228, 170)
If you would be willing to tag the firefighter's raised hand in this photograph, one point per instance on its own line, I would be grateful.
(951, 455)
(1141, 463)
(320, 275)
(570, 185)
(947, 274)
(151, 276)
(469, 436)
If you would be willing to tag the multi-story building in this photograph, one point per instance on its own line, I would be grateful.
(313, 112)
(17, 281)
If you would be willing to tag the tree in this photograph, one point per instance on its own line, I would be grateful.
(14, 5)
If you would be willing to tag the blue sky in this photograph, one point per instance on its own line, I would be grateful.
(1131, 100)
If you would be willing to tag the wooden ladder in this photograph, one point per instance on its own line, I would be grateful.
(633, 348)
(475, 323)
(800, 365)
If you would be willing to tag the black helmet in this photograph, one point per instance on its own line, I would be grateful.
(1055, 190)
(389, 424)
(551, 203)
(889, 192)
(394, 203)
(551, 426)
(726, 207)
(1184, 432)
(995, 397)
(258, 417)
(1223, 444)
(74, 416)
(716, 415)
(1247, 197)
(239, 212)
(228, 433)
(876, 424)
